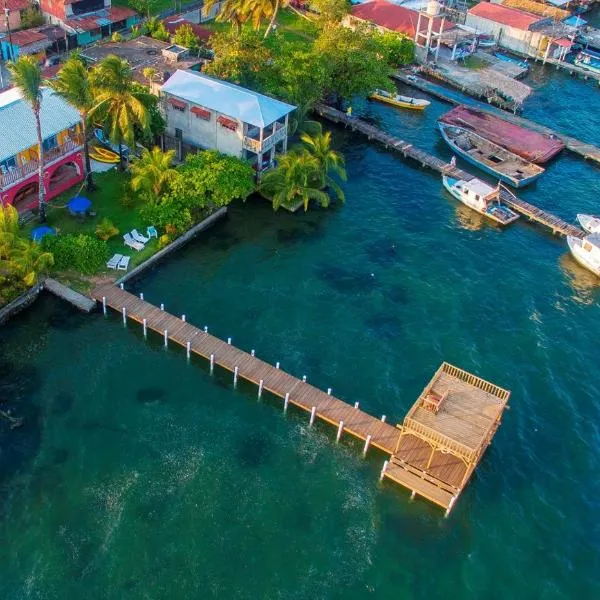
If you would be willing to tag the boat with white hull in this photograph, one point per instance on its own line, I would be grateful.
(590, 223)
(481, 197)
(586, 251)
(489, 157)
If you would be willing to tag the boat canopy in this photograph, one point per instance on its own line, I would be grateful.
(480, 188)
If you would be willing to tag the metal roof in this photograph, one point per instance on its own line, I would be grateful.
(17, 123)
(226, 98)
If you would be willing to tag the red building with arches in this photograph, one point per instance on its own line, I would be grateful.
(19, 159)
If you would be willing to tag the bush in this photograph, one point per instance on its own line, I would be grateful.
(82, 252)
(106, 229)
(170, 215)
(164, 240)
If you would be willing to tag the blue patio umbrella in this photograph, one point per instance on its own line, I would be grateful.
(79, 205)
(39, 232)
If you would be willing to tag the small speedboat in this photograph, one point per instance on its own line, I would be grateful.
(481, 197)
(588, 60)
(586, 251)
(489, 157)
(590, 223)
(400, 101)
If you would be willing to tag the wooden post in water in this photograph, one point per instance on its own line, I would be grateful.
(277, 365)
(229, 341)
(183, 318)
(367, 444)
(124, 316)
(145, 325)
(286, 402)
(104, 305)
(260, 388)
(383, 418)
(189, 349)
(339, 431)
(212, 363)
(383, 469)
(313, 412)
(251, 352)
(121, 286)
(304, 378)
(356, 405)
(235, 376)
(166, 338)
(329, 391)
(142, 296)
(162, 306)
(205, 329)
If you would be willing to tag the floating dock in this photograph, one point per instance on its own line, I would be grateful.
(533, 213)
(587, 151)
(433, 453)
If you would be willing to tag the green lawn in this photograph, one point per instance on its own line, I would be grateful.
(475, 63)
(157, 7)
(106, 203)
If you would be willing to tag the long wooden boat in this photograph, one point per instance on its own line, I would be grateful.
(586, 251)
(490, 157)
(590, 223)
(400, 101)
(481, 197)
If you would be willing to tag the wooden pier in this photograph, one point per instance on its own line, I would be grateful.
(587, 151)
(462, 403)
(531, 212)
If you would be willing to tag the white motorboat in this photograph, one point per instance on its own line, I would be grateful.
(586, 251)
(481, 197)
(590, 223)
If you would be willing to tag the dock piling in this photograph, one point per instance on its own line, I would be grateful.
(383, 469)
(260, 388)
(183, 318)
(189, 349)
(124, 316)
(329, 391)
(212, 363)
(304, 378)
(313, 413)
(145, 326)
(104, 305)
(383, 418)
(166, 338)
(356, 405)
(121, 286)
(142, 296)
(229, 341)
(252, 353)
(235, 376)
(162, 306)
(367, 444)
(286, 402)
(339, 432)
(205, 329)
(277, 365)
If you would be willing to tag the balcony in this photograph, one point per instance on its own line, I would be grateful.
(16, 174)
(254, 145)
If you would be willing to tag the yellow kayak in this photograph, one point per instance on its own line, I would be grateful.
(400, 101)
(103, 155)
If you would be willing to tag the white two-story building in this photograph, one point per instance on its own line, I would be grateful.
(209, 113)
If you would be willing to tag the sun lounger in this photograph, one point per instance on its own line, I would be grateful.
(138, 237)
(151, 232)
(123, 263)
(129, 241)
(113, 263)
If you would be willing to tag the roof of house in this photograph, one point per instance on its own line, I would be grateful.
(506, 16)
(394, 17)
(229, 99)
(18, 124)
(24, 37)
(172, 24)
(100, 18)
(18, 4)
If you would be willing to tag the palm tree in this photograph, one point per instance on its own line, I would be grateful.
(27, 78)
(234, 11)
(152, 172)
(275, 6)
(119, 104)
(319, 146)
(293, 180)
(73, 84)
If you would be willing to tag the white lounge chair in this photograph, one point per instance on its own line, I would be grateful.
(151, 232)
(113, 263)
(138, 237)
(129, 241)
(123, 263)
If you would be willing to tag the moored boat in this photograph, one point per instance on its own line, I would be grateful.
(586, 251)
(490, 157)
(481, 197)
(589, 222)
(400, 101)
(588, 60)
(486, 41)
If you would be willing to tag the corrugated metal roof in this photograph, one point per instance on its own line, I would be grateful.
(229, 99)
(519, 19)
(17, 122)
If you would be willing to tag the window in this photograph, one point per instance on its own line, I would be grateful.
(49, 143)
(227, 123)
(8, 164)
(201, 113)
(177, 104)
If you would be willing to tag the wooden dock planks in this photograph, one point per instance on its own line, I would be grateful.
(276, 381)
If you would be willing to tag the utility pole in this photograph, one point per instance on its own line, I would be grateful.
(7, 23)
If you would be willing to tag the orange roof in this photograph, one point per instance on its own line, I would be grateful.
(172, 24)
(26, 37)
(506, 16)
(18, 4)
(394, 17)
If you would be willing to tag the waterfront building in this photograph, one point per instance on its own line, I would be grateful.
(207, 113)
(62, 148)
(26, 42)
(16, 9)
(88, 21)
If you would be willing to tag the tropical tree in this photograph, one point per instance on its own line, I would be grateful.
(151, 74)
(185, 36)
(232, 11)
(331, 11)
(27, 78)
(73, 84)
(329, 160)
(119, 104)
(152, 173)
(294, 180)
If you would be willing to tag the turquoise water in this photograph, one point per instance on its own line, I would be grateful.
(138, 475)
